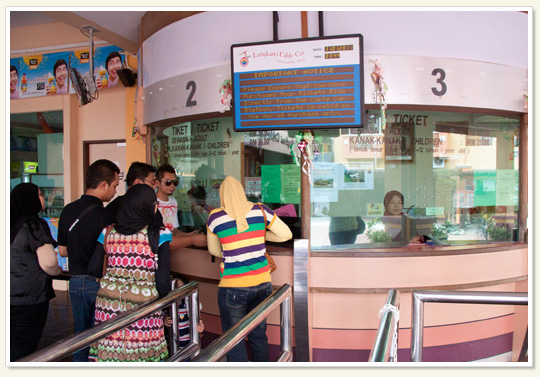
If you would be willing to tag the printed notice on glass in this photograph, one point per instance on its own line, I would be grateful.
(270, 183)
(507, 187)
(484, 188)
(325, 176)
(290, 184)
(298, 84)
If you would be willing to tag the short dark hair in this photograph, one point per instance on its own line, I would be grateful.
(99, 171)
(166, 168)
(58, 63)
(13, 68)
(138, 170)
(113, 54)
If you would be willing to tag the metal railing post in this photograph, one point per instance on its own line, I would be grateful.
(286, 330)
(417, 327)
(174, 325)
(384, 339)
(194, 319)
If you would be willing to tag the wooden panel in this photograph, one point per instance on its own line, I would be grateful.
(417, 271)
(155, 21)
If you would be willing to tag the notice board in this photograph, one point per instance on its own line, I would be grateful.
(298, 84)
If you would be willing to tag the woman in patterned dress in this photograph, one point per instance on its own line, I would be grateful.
(138, 270)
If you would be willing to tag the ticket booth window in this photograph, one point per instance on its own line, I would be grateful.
(444, 178)
(204, 152)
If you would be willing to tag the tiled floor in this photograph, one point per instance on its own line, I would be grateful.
(59, 322)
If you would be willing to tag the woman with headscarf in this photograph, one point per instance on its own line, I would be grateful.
(32, 263)
(237, 232)
(393, 206)
(136, 253)
(393, 203)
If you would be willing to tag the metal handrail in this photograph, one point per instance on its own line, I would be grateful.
(83, 339)
(221, 346)
(194, 345)
(457, 297)
(384, 339)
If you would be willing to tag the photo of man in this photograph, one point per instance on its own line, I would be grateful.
(13, 82)
(112, 64)
(58, 82)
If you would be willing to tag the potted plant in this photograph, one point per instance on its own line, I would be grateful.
(376, 232)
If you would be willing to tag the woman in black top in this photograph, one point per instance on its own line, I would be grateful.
(32, 263)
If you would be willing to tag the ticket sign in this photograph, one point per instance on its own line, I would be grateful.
(298, 84)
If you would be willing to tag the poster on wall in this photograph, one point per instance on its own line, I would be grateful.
(41, 75)
(298, 84)
(14, 78)
(107, 61)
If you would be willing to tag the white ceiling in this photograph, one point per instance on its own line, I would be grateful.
(113, 26)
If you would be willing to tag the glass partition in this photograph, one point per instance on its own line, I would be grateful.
(440, 178)
(205, 152)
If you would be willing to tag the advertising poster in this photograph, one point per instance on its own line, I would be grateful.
(107, 60)
(14, 82)
(41, 75)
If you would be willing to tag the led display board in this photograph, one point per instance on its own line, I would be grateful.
(298, 84)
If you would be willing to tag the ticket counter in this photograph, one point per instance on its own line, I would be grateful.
(430, 193)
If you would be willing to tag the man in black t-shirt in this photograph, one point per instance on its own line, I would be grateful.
(79, 227)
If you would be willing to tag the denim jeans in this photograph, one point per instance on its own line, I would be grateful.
(82, 294)
(235, 304)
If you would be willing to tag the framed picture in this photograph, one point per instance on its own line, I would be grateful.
(398, 138)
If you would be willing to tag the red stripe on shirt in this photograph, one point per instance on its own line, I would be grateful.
(242, 236)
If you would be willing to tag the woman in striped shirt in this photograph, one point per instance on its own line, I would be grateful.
(237, 232)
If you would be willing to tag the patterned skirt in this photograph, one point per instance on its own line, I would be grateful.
(141, 341)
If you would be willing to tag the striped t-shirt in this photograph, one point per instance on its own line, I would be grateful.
(244, 263)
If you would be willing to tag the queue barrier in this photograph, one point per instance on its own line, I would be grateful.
(75, 342)
(457, 297)
(221, 346)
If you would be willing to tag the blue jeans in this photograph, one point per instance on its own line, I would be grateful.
(82, 294)
(235, 304)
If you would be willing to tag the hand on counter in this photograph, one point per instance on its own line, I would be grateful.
(181, 240)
